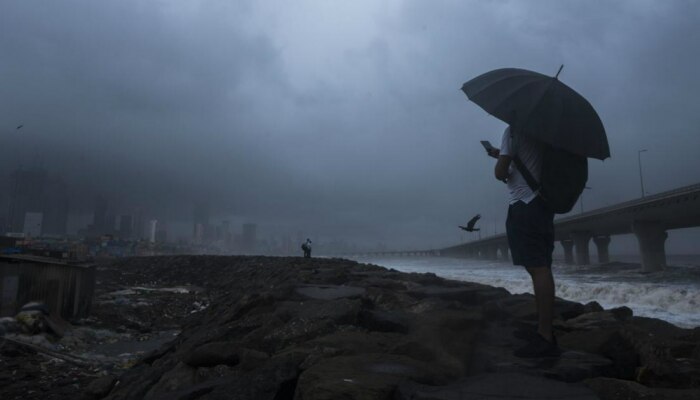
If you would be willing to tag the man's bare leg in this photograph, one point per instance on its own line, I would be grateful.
(543, 285)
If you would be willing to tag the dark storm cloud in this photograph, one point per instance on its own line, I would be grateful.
(140, 96)
(340, 119)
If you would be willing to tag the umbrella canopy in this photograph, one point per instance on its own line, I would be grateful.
(541, 107)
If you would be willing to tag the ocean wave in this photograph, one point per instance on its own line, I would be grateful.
(667, 296)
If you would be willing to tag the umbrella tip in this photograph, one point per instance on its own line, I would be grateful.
(560, 68)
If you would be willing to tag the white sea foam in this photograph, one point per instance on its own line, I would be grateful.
(672, 295)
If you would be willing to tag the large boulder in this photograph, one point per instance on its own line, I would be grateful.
(500, 385)
(470, 294)
(329, 292)
(615, 389)
(385, 321)
(340, 311)
(212, 354)
(612, 318)
(368, 376)
(607, 342)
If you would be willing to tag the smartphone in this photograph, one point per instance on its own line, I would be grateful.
(487, 145)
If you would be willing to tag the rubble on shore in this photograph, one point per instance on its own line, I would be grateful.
(315, 329)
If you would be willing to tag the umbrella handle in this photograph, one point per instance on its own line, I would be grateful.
(557, 75)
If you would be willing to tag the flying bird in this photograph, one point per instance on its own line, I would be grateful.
(19, 127)
(470, 224)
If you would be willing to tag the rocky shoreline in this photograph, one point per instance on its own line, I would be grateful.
(312, 329)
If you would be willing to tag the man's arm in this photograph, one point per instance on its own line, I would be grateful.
(502, 167)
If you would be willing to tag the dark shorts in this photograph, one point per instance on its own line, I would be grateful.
(530, 229)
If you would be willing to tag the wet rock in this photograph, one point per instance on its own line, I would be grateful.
(388, 299)
(614, 389)
(351, 343)
(659, 367)
(662, 329)
(608, 343)
(596, 320)
(522, 307)
(621, 313)
(340, 311)
(251, 359)
(370, 376)
(384, 283)
(275, 380)
(519, 307)
(100, 387)
(592, 306)
(385, 321)
(179, 377)
(273, 338)
(488, 294)
(211, 354)
(574, 366)
(137, 381)
(467, 295)
(504, 385)
(565, 309)
(329, 292)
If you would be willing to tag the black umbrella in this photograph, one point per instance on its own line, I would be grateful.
(541, 107)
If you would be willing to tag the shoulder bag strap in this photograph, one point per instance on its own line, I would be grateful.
(526, 174)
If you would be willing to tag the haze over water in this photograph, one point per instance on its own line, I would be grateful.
(672, 295)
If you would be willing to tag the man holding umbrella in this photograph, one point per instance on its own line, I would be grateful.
(543, 159)
(530, 231)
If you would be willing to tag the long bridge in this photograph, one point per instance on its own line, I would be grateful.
(648, 218)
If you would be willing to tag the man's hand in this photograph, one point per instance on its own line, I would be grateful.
(502, 168)
(493, 152)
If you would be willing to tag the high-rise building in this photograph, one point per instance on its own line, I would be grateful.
(201, 231)
(26, 195)
(139, 224)
(152, 230)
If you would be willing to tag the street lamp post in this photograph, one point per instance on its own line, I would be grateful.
(641, 179)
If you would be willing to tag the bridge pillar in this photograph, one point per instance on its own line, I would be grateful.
(568, 246)
(652, 244)
(503, 248)
(581, 240)
(491, 252)
(602, 243)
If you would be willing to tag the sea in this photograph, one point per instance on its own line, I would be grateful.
(672, 295)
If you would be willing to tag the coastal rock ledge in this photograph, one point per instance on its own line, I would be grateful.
(322, 329)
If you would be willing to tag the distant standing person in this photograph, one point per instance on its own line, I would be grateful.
(306, 247)
(530, 232)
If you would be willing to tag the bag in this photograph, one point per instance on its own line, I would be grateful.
(563, 178)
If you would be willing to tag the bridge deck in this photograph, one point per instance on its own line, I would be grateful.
(674, 209)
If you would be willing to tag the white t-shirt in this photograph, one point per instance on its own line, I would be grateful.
(530, 153)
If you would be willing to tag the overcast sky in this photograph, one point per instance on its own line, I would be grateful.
(339, 119)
